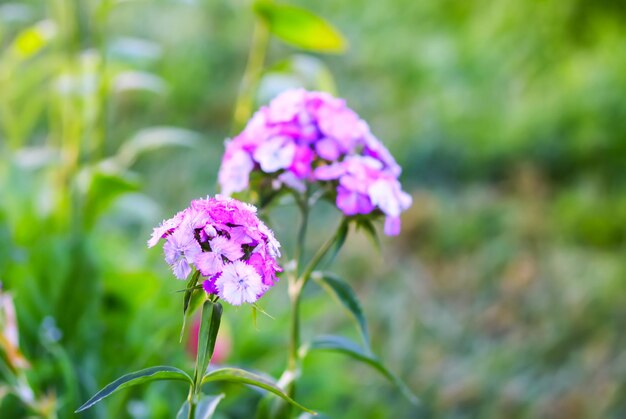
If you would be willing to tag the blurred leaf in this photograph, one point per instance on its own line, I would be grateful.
(135, 378)
(300, 27)
(135, 50)
(204, 409)
(340, 239)
(189, 293)
(30, 41)
(183, 412)
(139, 80)
(344, 293)
(102, 189)
(37, 157)
(237, 375)
(15, 12)
(211, 318)
(348, 347)
(207, 405)
(367, 226)
(154, 138)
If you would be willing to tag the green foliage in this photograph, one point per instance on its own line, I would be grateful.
(205, 409)
(237, 375)
(347, 347)
(341, 290)
(209, 326)
(207, 405)
(135, 378)
(300, 27)
(503, 296)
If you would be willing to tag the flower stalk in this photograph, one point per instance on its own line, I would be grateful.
(297, 282)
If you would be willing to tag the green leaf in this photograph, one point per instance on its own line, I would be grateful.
(31, 40)
(211, 318)
(102, 187)
(134, 378)
(340, 289)
(183, 412)
(132, 81)
(207, 405)
(350, 348)
(189, 292)
(299, 27)
(368, 228)
(340, 239)
(237, 375)
(154, 138)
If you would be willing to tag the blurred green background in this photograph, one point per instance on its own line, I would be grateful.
(504, 296)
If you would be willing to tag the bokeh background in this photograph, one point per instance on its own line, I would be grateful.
(505, 294)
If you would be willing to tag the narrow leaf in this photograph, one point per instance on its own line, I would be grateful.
(183, 413)
(134, 378)
(207, 405)
(31, 40)
(102, 188)
(299, 27)
(350, 348)
(344, 293)
(237, 375)
(340, 239)
(154, 138)
(189, 290)
(368, 228)
(211, 318)
(129, 81)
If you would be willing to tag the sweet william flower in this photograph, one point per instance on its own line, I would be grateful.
(181, 250)
(239, 283)
(223, 239)
(304, 137)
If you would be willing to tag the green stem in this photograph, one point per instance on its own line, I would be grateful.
(295, 291)
(303, 204)
(192, 402)
(252, 74)
(296, 286)
(321, 252)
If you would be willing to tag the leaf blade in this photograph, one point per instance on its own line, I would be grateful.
(207, 405)
(350, 348)
(154, 138)
(211, 319)
(300, 27)
(134, 378)
(189, 292)
(238, 375)
(183, 412)
(344, 293)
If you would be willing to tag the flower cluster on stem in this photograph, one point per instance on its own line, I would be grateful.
(302, 138)
(233, 251)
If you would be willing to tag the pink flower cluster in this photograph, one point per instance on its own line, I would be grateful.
(304, 136)
(225, 241)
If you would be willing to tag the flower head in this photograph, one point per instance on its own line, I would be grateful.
(224, 240)
(305, 137)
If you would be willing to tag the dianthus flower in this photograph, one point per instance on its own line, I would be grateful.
(225, 241)
(304, 137)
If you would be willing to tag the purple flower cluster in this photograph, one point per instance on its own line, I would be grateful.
(305, 137)
(225, 241)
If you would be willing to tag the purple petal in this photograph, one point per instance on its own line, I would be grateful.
(328, 149)
(225, 247)
(392, 226)
(209, 263)
(181, 268)
(352, 203)
(329, 172)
